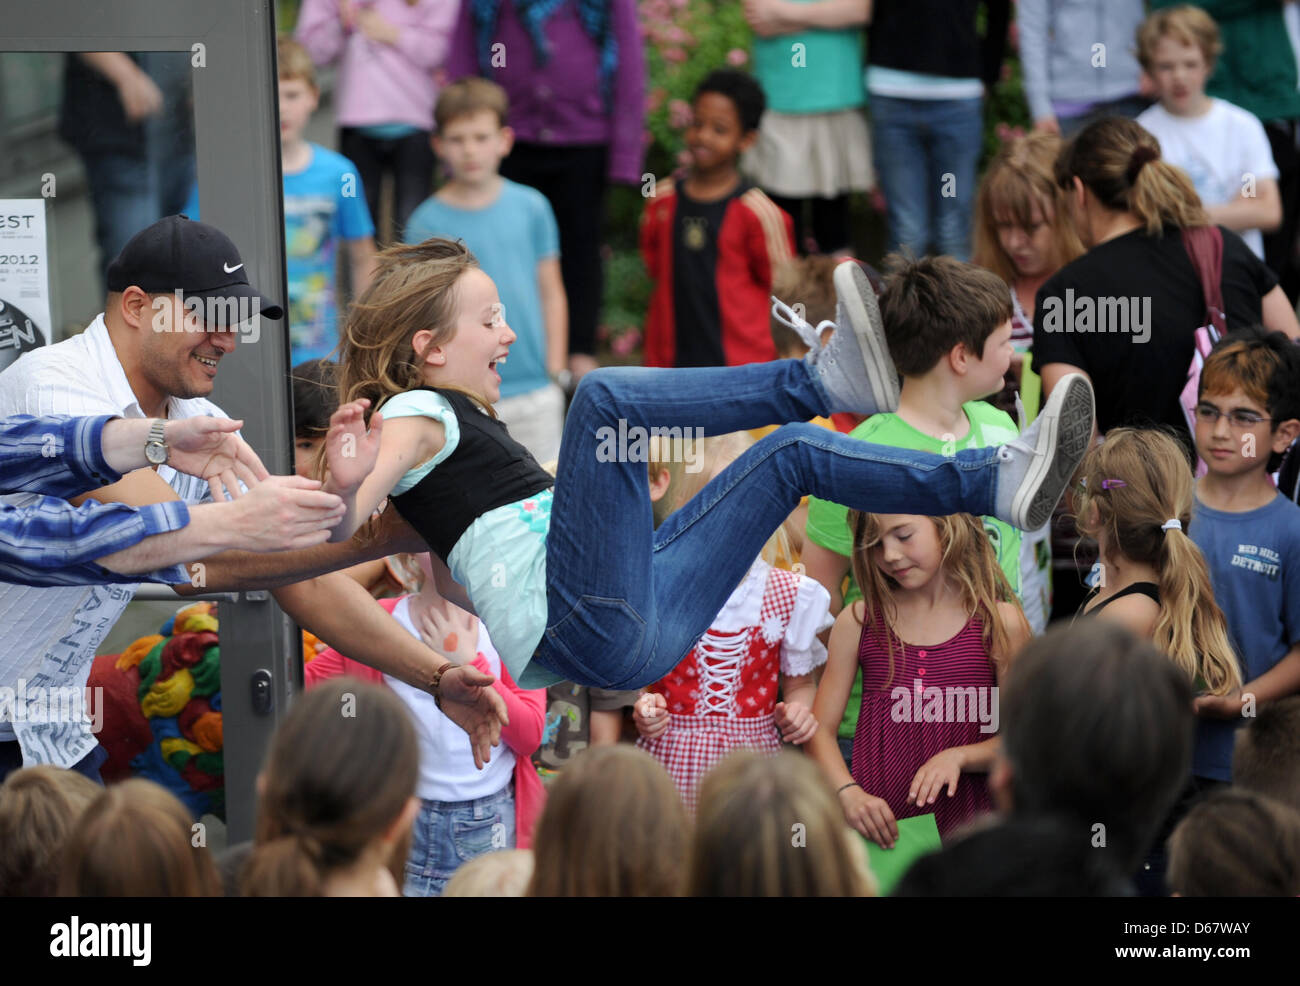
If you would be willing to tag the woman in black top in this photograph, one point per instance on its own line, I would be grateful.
(1125, 312)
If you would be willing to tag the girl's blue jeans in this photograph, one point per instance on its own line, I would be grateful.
(625, 601)
(447, 834)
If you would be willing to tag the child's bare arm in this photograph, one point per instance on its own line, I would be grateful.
(794, 715)
(361, 260)
(1279, 681)
(1262, 211)
(1278, 315)
(555, 309)
(364, 467)
(832, 696)
(827, 567)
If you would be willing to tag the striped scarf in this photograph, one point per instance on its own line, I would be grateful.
(595, 16)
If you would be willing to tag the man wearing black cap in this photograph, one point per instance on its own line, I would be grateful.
(153, 353)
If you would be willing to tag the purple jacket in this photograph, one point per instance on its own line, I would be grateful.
(560, 103)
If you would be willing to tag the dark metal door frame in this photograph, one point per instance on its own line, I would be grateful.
(236, 122)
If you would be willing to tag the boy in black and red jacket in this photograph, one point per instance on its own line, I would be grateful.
(712, 241)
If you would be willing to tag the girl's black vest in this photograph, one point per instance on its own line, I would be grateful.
(487, 469)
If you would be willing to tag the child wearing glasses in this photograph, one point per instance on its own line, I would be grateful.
(1247, 417)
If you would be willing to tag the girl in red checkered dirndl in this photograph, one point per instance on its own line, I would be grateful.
(762, 645)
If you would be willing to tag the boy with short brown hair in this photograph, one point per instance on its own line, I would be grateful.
(511, 230)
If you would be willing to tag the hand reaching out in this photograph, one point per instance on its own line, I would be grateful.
(283, 513)
(795, 720)
(650, 713)
(470, 701)
(208, 448)
(350, 449)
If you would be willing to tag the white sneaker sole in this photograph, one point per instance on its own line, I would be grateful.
(1063, 440)
(852, 288)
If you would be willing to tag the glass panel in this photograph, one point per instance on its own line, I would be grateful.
(96, 147)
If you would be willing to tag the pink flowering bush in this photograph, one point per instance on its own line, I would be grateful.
(685, 40)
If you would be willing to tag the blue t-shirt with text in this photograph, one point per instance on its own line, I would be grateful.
(1254, 562)
(509, 238)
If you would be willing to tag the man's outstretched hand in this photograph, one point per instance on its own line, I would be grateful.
(208, 448)
(470, 701)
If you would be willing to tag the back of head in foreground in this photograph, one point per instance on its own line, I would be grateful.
(770, 827)
(1236, 844)
(613, 826)
(1097, 731)
(1266, 758)
(39, 807)
(337, 792)
(136, 840)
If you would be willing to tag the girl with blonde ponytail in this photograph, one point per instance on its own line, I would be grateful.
(1136, 502)
(329, 823)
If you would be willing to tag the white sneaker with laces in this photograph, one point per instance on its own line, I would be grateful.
(854, 367)
(1035, 468)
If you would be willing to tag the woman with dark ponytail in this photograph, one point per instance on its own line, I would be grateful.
(1125, 312)
(336, 797)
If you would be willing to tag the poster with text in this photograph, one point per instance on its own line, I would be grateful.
(24, 278)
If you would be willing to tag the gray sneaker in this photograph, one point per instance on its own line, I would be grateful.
(854, 367)
(1035, 468)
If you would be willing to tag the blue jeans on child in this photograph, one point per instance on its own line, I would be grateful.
(626, 602)
(449, 833)
(918, 144)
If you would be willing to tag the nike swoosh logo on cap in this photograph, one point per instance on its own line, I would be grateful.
(231, 270)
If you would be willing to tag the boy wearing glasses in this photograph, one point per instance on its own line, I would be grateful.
(1248, 416)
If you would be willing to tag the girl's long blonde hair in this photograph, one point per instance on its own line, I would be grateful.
(968, 563)
(1158, 487)
(1018, 178)
(742, 845)
(413, 289)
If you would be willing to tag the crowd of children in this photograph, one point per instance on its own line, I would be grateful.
(814, 596)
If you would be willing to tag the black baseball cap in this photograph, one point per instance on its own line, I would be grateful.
(179, 253)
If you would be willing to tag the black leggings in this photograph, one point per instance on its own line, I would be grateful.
(573, 180)
(408, 159)
(830, 222)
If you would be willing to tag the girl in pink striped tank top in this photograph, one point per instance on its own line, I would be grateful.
(933, 634)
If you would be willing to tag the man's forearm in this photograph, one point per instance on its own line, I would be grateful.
(205, 535)
(123, 441)
(234, 571)
(342, 613)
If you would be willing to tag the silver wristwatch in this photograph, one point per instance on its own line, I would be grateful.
(155, 448)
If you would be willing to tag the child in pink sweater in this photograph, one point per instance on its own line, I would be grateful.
(389, 54)
(464, 812)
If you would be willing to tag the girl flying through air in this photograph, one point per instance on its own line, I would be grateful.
(569, 574)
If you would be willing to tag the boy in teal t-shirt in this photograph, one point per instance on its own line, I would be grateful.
(949, 329)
